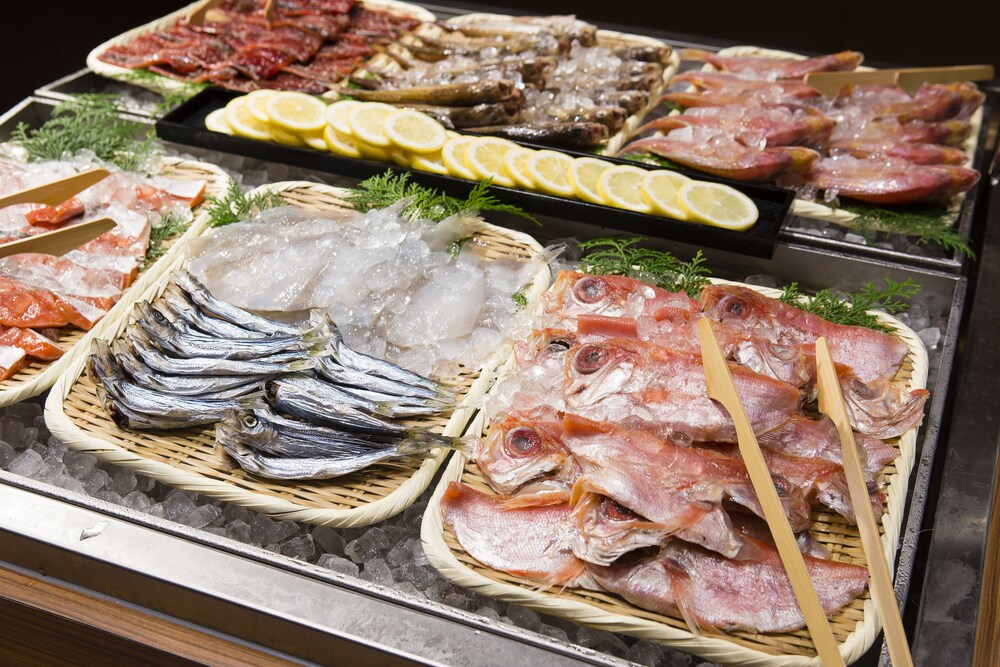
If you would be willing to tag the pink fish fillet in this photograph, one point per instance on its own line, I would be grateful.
(889, 180)
(671, 489)
(712, 592)
(727, 157)
(777, 68)
(623, 379)
(531, 542)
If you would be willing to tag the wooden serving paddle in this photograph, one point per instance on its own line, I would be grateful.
(55, 192)
(60, 241)
(721, 388)
(909, 79)
(197, 15)
(831, 403)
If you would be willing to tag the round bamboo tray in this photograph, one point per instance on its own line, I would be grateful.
(188, 459)
(855, 627)
(40, 375)
(166, 85)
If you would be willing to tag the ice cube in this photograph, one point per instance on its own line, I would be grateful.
(302, 547)
(95, 481)
(13, 430)
(407, 588)
(459, 601)
(370, 545)
(329, 540)
(238, 530)
(137, 501)
(599, 640)
(123, 481)
(200, 516)
(555, 633)
(645, 653)
(233, 512)
(523, 617)
(28, 463)
(421, 577)
(79, 464)
(414, 515)
(7, 454)
(109, 496)
(930, 337)
(377, 572)
(338, 564)
(70, 484)
(177, 505)
(285, 529)
(488, 612)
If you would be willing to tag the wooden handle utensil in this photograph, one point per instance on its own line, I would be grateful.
(721, 388)
(60, 241)
(198, 14)
(269, 8)
(831, 403)
(830, 83)
(55, 192)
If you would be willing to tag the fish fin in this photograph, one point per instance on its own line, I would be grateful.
(609, 327)
(699, 55)
(683, 592)
(576, 426)
(543, 499)
(880, 408)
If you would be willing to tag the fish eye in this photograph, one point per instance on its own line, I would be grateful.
(589, 359)
(158, 316)
(736, 307)
(782, 486)
(589, 289)
(250, 421)
(522, 440)
(557, 346)
(616, 511)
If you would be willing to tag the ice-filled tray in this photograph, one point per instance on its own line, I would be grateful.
(188, 458)
(855, 626)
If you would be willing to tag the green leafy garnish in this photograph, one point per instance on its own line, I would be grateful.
(169, 226)
(520, 299)
(455, 247)
(89, 122)
(424, 202)
(237, 205)
(851, 308)
(621, 257)
(171, 99)
(926, 224)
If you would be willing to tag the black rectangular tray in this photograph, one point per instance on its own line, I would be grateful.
(186, 125)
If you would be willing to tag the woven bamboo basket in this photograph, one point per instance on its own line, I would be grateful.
(40, 375)
(606, 38)
(164, 84)
(855, 627)
(819, 211)
(188, 459)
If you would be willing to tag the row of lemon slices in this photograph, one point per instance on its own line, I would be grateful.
(383, 132)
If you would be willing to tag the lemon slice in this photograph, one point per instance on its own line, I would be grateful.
(430, 162)
(314, 140)
(414, 131)
(339, 144)
(548, 170)
(583, 176)
(453, 156)
(256, 104)
(296, 112)
(284, 137)
(369, 152)
(621, 187)
(216, 122)
(367, 121)
(516, 161)
(659, 189)
(243, 123)
(338, 114)
(718, 205)
(485, 158)
(399, 156)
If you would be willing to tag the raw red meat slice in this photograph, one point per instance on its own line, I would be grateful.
(12, 361)
(34, 344)
(40, 214)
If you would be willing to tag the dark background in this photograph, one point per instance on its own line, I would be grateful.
(42, 41)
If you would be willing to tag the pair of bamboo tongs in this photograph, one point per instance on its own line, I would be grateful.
(198, 15)
(721, 388)
(60, 241)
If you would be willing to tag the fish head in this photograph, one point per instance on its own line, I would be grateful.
(521, 447)
(737, 308)
(597, 369)
(608, 529)
(246, 428)
(576, 293)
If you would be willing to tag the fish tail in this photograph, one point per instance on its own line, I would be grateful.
(699, 55)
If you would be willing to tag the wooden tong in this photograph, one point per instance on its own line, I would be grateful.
(55, 192)
(831, 403)
(198, 15)
(721, 388)
(60, 241)
(830, 83)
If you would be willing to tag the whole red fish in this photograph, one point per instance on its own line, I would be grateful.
(712, 592)
(773, 125)
(889, 180)
(534, 542)
(575, 294)
(628, 379)
(718, 81)
(931, 102)
(762, 67)
(727, 157)
(913, 152)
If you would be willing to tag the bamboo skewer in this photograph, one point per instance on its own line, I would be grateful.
(55, 192)
(721, 388)
(60, 241)
(269, 8)
(831, 403)
(830, 83)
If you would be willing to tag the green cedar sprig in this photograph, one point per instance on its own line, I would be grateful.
(928, 225)
(622, 257)
(170, 226)
(852, 308)
(236, 205)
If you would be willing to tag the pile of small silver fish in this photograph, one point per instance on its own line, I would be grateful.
(616, 472)
(540, 79)
(190, 359)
